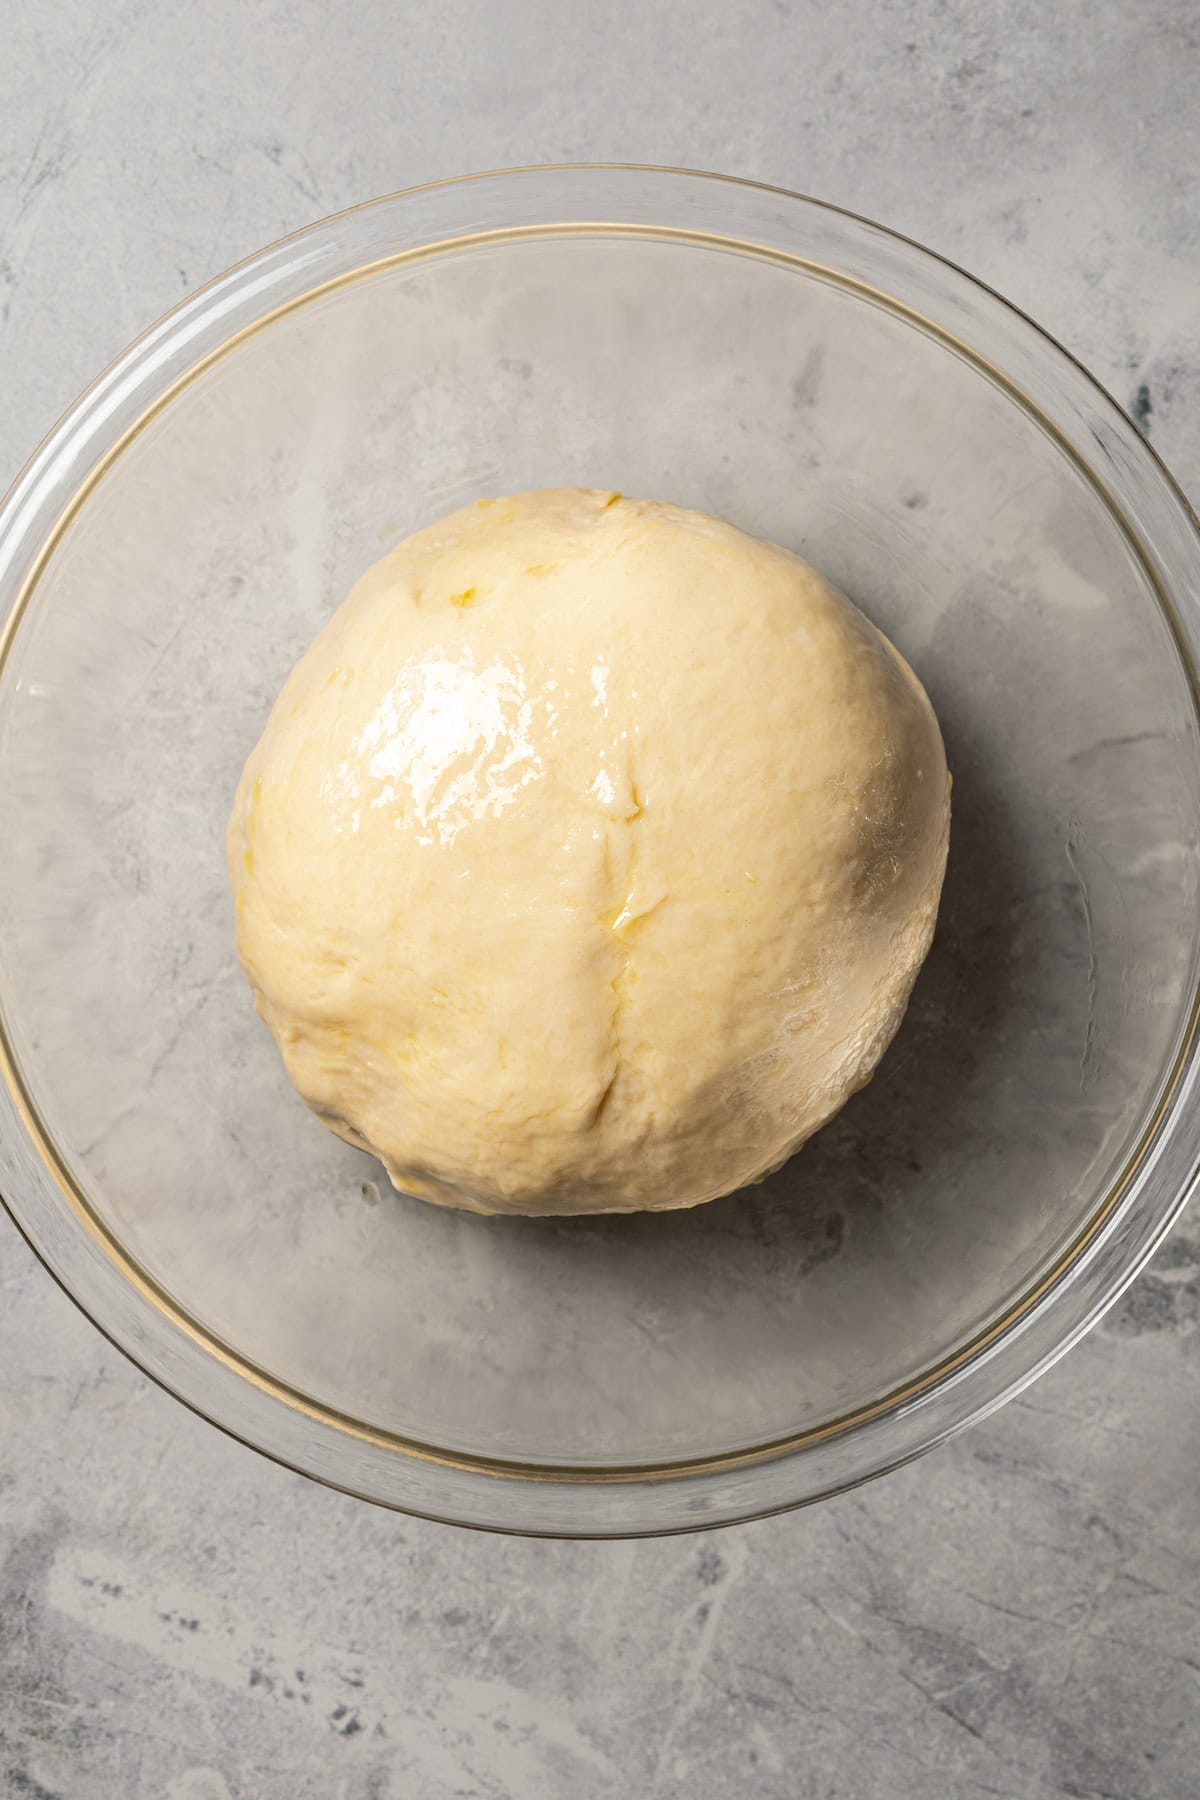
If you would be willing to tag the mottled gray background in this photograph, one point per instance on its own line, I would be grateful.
(1017, 1614)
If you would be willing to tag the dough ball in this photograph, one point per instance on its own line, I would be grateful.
(588, 857)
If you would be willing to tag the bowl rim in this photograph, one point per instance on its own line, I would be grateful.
(900, 1403)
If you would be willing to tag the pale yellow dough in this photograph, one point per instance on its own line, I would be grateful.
(588, 856)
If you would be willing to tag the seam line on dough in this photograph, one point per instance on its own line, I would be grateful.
(618, 916)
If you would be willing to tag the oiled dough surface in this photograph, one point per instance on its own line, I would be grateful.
(588, 856)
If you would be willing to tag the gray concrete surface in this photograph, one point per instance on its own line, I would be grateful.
(1017, 1614)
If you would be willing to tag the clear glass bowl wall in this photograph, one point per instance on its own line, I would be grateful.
(177, 543)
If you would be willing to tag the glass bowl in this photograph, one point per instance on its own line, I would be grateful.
(175, 544)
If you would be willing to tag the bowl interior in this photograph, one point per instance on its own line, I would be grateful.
(805, 409)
